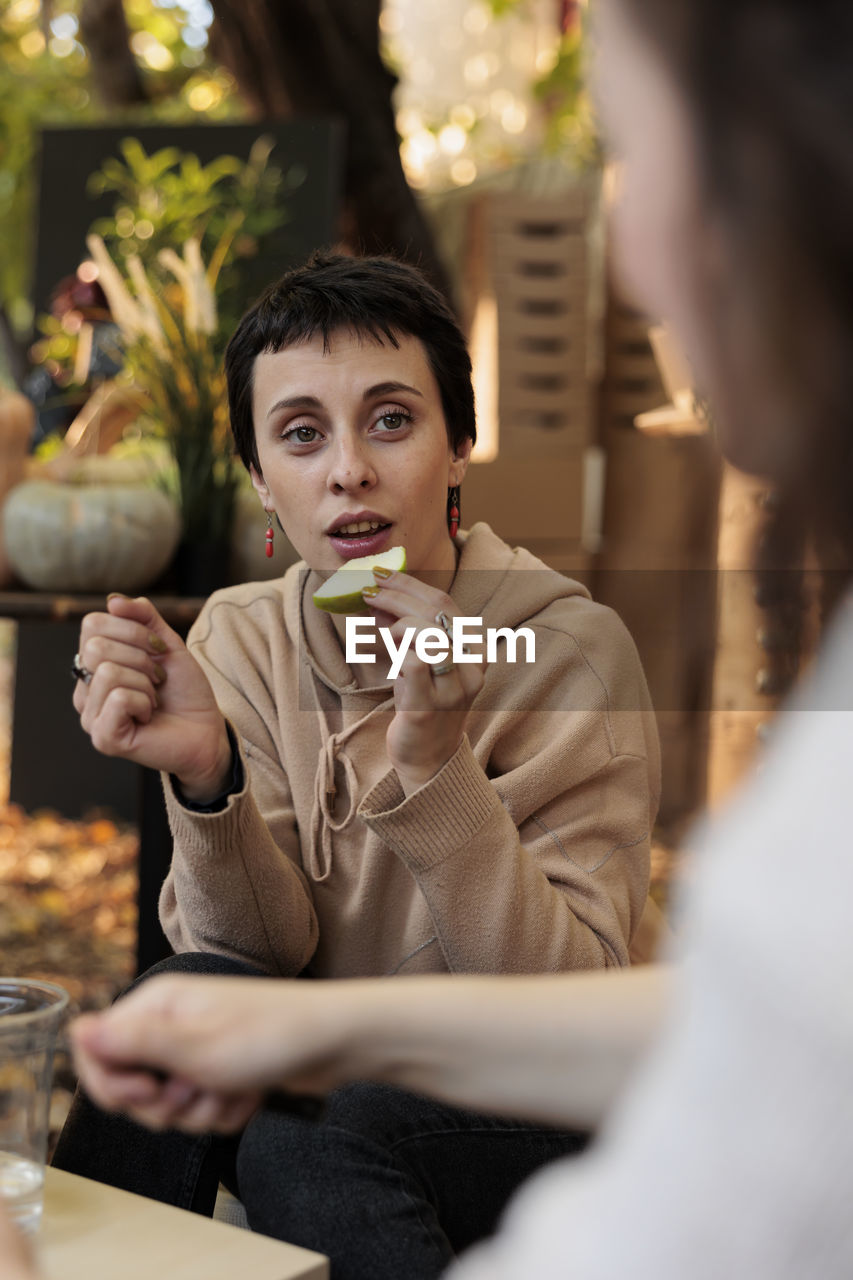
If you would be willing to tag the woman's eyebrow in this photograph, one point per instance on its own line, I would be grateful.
(370, 393)
(294, 402)
(387, 388)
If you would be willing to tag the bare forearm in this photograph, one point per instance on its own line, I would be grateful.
(556, 1048)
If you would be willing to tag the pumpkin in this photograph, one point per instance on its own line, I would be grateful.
(89, 537)
(17, 417)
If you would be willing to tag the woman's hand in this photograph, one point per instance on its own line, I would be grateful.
(198, 1054)
(432, 702)
(148, 700)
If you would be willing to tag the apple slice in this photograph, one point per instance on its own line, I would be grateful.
(342, 592)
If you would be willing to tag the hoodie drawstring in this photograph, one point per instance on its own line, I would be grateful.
(323, 820)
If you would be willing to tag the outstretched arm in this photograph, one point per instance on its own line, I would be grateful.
(199, 1053)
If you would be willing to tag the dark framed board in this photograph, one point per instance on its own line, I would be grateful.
(310, 150)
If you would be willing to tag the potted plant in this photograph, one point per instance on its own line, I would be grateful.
(166, 264)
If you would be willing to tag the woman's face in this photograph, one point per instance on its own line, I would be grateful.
(354, 451)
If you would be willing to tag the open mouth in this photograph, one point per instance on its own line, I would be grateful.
(361, 538)
(360, 529)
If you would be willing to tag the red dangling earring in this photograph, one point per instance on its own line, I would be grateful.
(453, 510)
(269, 535)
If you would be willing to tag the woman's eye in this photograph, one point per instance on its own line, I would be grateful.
(394, 420)
(301, 435)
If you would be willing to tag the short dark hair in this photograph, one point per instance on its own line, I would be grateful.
(378, 298)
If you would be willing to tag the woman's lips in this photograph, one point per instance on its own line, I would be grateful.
(362, 544)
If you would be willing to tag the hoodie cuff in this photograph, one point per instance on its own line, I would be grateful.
(177, 804)
(440, 818)
(236, 783)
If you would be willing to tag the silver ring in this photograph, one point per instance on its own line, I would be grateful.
(79, 672)
(444, 622)
(444, 669)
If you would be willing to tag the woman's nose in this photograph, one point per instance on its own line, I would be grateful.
(350, 468)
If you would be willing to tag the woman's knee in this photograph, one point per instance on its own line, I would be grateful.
(204, 963)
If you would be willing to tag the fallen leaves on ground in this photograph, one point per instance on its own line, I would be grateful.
(68, 902)
(68, 913)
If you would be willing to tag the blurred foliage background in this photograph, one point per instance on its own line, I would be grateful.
(46, 77)
(436, 96)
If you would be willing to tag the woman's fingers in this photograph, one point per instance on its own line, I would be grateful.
(174, 1098)
(414, 603)
(115, 694)
(197, 1110)
(165, 1102)
(444, 686)
(132, 622)
(130, 636)
(115, 1088)
(181, 1106)
(113, 725)
(122, 630)
(99, 650)
(400, 594)
(439, 671)
(142, 612)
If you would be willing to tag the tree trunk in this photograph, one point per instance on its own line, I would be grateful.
(103, 30)
(321, 57)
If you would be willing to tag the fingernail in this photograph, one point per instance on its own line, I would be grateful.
(370, 592)
(156, 643)
(379, 571)
(159, 673)
(117, 595)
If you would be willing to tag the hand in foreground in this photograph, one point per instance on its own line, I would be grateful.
(148, 700)
(198, 1053)
(432, 702)
(16, 1258)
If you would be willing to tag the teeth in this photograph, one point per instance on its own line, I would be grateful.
(360, 526)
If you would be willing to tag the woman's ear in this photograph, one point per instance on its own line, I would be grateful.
(459, 459)
(260, 487)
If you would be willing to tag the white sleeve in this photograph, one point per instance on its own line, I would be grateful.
(731, 1154)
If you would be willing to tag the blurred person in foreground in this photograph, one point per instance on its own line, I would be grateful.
(724, 1085)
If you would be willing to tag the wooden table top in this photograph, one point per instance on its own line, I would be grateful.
(94, 1232)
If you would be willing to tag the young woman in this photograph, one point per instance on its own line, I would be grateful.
(478, 817)
(729, 1153)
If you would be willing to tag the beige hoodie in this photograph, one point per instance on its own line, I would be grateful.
(527, 852)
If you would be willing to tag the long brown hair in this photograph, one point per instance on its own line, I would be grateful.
(769, 88)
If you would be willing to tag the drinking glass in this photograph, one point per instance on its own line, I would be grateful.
(31, 1013)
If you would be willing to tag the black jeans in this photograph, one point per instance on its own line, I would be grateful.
(388, 1184)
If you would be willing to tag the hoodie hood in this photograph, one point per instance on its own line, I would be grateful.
(505, 586)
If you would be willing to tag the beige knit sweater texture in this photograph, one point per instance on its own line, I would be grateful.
(527, 852)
